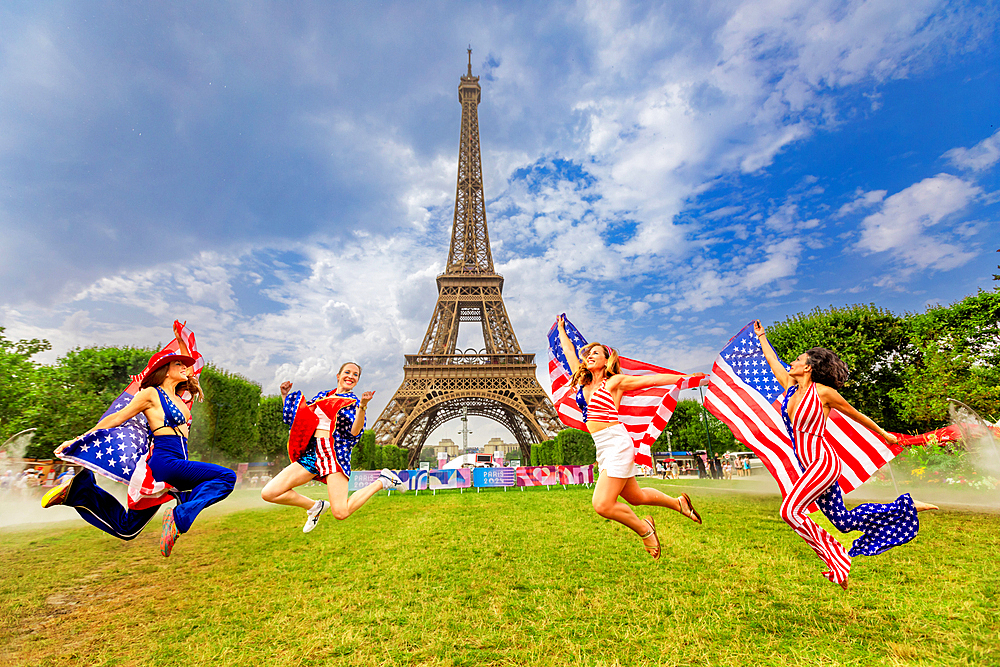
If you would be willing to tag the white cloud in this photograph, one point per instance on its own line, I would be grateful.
(980, 157)
(902, 225)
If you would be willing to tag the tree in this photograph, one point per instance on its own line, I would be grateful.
(687, 431)
(577, 447)
(953, 352)
(872, 341)
(69, 397)
(17, 377)
(226, 423)
(272, 432)
(362, 456)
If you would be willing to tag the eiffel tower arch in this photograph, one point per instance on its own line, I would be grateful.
(497, 382)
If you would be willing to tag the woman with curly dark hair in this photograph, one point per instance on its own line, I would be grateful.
(811, 385)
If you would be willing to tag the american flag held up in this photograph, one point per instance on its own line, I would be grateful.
(644, 413)
(745, 395)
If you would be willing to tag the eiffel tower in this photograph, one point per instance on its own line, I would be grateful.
(441, 382)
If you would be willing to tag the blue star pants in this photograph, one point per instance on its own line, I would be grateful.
(884, 525)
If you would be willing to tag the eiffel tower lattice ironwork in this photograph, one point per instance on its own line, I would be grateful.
(497, 382)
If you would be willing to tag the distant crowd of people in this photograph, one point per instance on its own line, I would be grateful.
(30, 482)
(717, 468)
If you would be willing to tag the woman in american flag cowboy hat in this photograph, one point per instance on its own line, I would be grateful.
(599, 387)
(323, 433)
(194, 484)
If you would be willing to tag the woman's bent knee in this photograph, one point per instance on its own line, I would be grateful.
(603, 508)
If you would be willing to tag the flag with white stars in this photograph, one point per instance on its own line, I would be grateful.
(644, 413)
(746, 396)
(120, 453)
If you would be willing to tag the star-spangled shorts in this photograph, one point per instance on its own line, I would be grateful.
(320, 458)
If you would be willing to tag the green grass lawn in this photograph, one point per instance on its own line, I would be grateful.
(496, 578)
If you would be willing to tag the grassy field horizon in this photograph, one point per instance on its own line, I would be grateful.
(497, 578)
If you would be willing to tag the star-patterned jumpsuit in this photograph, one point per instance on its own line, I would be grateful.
(884, 526)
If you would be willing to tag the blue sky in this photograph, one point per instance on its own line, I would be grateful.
(283, 177)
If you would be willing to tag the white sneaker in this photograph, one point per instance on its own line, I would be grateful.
(395, 482)
(313, 518)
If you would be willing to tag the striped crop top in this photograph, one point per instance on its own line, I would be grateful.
(602, 406)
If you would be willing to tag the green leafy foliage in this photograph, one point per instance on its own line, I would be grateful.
(577, 447)
(363, 455)
(904, 368)
(17, 375)
(65, 399)
(869, 339)
(271, 430)
(225, 425)
(368, 455)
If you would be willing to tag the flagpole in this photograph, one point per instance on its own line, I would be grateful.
(708, 437)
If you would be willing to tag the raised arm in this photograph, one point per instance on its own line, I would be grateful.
(359, 415)
(140, 402)
(178, 327)
(568, 348)
(784, 379)
(832, 399)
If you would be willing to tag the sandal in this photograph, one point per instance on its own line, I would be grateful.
(653, 551)
(692, 513)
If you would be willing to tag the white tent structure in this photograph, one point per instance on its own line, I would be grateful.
(460, 461)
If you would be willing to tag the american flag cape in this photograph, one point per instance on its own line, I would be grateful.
(746, 396)
(120, 453)
(644, 413)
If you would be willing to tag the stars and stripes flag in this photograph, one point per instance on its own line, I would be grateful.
(746, 396)
(644, 413)
(120, 453)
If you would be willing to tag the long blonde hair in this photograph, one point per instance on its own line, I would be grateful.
(583, 376)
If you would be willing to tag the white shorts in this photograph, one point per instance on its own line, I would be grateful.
(615, 452)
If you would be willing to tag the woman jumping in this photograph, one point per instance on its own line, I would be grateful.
(196, 485)
(327, 457)
(600, 386)
(811, 385)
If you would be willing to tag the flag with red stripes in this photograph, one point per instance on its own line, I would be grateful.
(746, 396)
(121, 453)
(644, 413)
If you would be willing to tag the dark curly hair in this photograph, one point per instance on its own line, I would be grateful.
(827, 368)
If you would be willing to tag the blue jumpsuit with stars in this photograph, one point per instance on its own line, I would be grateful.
(343, 440)
(884, 525)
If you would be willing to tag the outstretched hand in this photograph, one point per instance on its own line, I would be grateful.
(890, 439)
(758, 328)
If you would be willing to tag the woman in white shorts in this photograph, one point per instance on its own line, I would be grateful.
(600, 386)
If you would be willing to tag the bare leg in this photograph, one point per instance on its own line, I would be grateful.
(605, 502)
(634, 494)
(920, 507)
(342, 505)
(280, 490)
